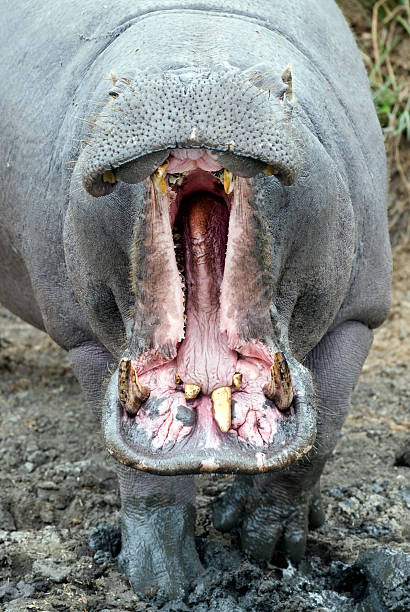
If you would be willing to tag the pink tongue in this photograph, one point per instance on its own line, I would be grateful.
(204, 357)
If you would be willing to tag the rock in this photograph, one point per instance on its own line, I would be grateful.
(11, 590)
(387, 573)
(403, 455)
(51, 571)
(6, 518)
(106, 538)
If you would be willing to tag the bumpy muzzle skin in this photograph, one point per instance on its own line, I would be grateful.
(140, 128)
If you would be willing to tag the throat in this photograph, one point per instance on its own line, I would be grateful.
(204, 358)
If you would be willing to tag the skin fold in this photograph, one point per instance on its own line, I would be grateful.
(94, 100)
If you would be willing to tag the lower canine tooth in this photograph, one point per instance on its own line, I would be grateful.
(279, 388)
(158, 178)
(229, 181)
(221, 401)
(130, 390)
(192, 391)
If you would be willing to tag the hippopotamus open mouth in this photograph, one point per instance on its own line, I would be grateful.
(202, 386)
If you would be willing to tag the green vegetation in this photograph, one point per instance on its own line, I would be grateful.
(389, 24)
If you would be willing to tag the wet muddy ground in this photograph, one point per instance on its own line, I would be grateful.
(57, 484)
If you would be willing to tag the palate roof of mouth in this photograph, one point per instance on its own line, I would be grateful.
(204, 357)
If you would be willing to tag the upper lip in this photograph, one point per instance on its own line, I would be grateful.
(102, 180)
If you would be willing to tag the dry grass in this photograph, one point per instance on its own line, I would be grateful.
(382, 29)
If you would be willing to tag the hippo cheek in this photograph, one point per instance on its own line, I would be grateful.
(206, 390)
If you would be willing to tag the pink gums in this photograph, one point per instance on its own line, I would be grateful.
(253, 420)
(184, 160)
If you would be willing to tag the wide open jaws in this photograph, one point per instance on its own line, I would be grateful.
(203, 395)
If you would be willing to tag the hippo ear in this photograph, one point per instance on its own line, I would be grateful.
(287, 79)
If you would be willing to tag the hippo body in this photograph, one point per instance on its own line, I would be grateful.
(193, 206)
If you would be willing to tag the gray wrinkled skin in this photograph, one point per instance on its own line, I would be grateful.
(180, 73)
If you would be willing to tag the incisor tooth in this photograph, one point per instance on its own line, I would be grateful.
(192, 391)
(229, 181)
(158, 177)
(221, 402)
(279, 388)
(237, 380)
(130, 390)
(178, 379)
(176, 179)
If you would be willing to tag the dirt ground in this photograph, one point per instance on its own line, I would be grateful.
(57, 484)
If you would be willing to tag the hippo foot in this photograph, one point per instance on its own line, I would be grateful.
(271, 516)
(158, 553)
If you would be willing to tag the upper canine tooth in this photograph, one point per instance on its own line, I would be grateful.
(158, 177)
(192, 391)
(130, 390)
(229, 181)
(221, 402)
(279, 388)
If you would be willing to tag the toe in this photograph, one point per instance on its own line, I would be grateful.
(227, 511)
(316, 513)
(261, 532)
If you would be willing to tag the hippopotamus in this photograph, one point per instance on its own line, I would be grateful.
(194, 208)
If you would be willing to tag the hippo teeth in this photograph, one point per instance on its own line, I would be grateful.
(176, 179)
(229, 181)
(221, 403)
(131, 392)
(161, 179)
(279, 389)
(158, 178)
(109, 177)
(192, 391)
(237, 380)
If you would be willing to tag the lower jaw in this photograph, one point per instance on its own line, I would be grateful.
(205, 448)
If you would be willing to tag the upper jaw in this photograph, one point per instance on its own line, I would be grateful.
(102, 180)
(233, 114)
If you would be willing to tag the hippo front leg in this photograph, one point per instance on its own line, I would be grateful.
(157, 532)
(275, 509)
